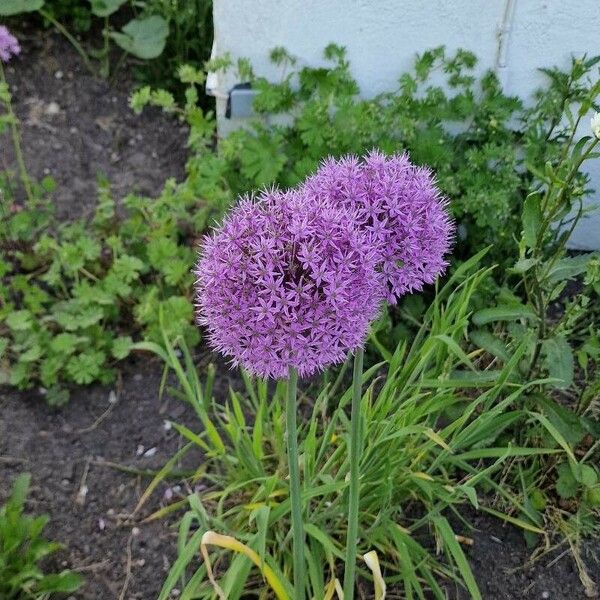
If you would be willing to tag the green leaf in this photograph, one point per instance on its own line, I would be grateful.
(65, 343)
(122, 347)
(490, 343)
(161, 251)
(455, 551)
(85, 368)
(127, 268)
(566, 484)
(569, 267)
(568, 423)
(511, 312)
(19, 491)
(586, 475)
(20, 320)
(144, 38)
(64, 583)
(14, 7)
(531, 219)
(105, 8)
(559, 360)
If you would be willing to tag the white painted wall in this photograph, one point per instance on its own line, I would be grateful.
(382, 37)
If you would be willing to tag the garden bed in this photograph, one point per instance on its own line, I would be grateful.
(67, 448)
(74, 127)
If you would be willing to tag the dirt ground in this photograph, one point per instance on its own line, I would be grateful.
(74, 127)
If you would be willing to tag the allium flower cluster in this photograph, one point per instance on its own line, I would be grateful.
(9, 46)
(287, 281)
(399, 208)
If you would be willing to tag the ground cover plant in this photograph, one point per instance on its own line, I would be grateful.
(23, 547)
(496, 394)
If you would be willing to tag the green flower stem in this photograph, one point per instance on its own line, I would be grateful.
(354, 491)
(78, 47)
(295, 494)
(16, 139)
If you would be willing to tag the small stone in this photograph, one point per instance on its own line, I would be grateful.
(46, 171)
(545, 595)
(167, 425)
(150, 452)
(101, 524)
(154, 155)
(135, 531)
(73, 130)
(140, 450)
(52, 109)
(112, 397)
(138, 377)
(59, 75)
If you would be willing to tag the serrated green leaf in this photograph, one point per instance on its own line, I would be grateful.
(85, 368)
(121, 347)
(20, 320)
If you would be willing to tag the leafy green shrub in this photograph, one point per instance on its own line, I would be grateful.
(74, 294)
(486, 148)
(22, 547)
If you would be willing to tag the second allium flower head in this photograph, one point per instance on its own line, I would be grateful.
(287, 282)
(294, 279)
(398, 206)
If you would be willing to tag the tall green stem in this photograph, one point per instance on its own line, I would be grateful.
(78, 47)
(16, 138)
(295, 490)
(354, 492)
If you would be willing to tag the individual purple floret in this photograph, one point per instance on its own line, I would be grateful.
(9, 46)
(286, 282)
(399, 207)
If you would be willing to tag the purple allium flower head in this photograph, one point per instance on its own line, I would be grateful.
(9, 46)
(399, 207)
(284, 282)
